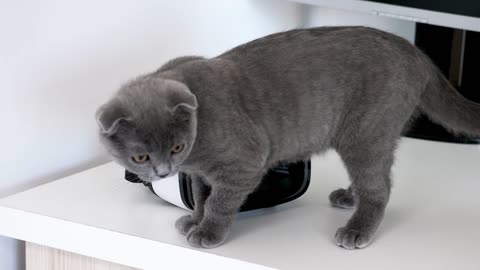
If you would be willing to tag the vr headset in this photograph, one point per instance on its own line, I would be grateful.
(281, 184)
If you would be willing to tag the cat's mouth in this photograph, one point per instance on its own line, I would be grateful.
(170, 174)
(139, 178)
(148, 178)
(163, 175)
(156, 177)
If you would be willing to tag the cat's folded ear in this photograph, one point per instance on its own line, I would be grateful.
(181, 99)
(110, 117)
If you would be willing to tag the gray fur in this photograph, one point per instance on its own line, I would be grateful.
(282, 98)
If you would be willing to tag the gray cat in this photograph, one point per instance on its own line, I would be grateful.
(281, 98)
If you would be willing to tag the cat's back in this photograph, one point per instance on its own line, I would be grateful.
(341, 41)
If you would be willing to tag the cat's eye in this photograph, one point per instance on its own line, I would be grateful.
(178, 148)
(140, 158)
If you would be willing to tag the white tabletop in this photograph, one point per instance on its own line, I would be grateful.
(432, 221)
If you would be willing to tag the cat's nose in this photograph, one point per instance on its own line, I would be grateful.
(162, 170)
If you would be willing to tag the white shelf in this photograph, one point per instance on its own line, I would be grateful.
(432, 221)
(402, 13)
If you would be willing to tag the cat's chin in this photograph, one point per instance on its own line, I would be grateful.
(158, 178)
(150, 179)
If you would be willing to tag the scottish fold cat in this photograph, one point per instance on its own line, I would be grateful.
(281, 98)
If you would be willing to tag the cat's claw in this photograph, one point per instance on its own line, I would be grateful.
(352, 238)
(184, 224)
(201, 238)
(342, 198)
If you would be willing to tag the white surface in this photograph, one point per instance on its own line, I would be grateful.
(411, 14)
(432, 220)
(112, 246)
(60, 59)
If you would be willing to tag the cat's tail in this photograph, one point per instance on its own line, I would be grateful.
(444, 105)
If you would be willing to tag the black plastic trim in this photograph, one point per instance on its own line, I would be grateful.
(186, 190)
(293, 170)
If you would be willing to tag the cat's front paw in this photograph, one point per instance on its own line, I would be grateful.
(202, 238)
(184, 224)
(352, 238)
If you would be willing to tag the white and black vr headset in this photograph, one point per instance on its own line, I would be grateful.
(280, 185)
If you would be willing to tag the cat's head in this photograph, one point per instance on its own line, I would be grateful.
(149, 126)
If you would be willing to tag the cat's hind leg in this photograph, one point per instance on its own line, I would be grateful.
(368, 165)
(342, 198)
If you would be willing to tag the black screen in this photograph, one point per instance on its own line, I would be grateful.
(462, 7)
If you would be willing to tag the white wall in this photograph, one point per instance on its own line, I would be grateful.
(59, 60)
